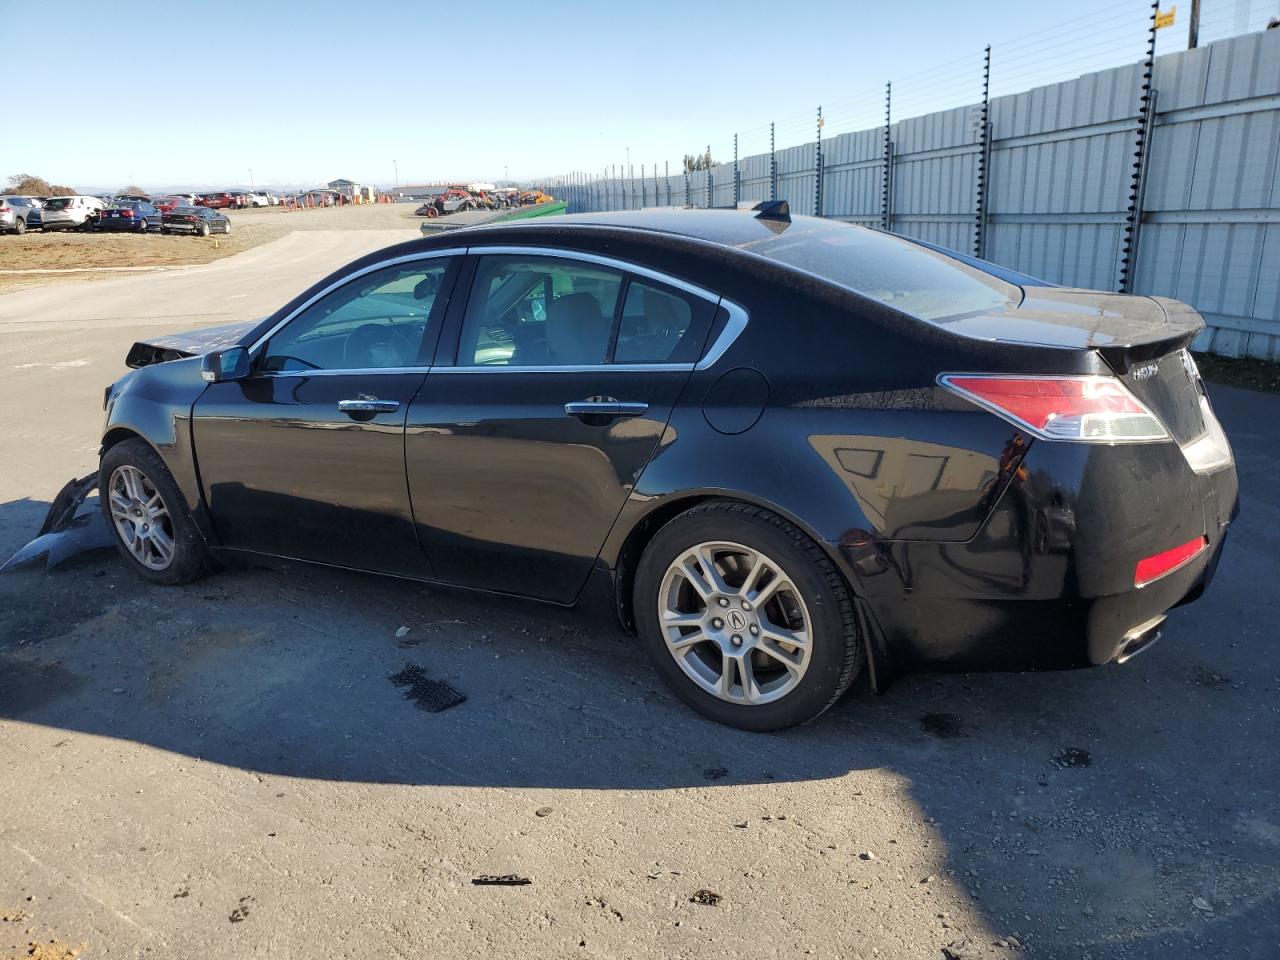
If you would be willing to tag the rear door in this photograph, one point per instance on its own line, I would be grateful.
(305, 457)
(525, 441)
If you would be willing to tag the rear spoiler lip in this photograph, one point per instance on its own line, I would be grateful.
(1184, 324)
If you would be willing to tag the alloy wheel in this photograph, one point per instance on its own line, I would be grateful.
(141, 518)
(735, 623)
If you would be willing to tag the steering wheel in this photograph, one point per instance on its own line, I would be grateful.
(376, 345)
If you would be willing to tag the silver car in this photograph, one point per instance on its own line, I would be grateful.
(16, 212)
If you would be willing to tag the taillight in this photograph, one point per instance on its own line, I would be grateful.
(126, 213)
(1083, 408)
(1158, 565)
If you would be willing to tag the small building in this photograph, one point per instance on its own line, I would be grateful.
(348, 188)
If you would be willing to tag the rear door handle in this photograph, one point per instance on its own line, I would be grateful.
(368, 405)
(606, 408)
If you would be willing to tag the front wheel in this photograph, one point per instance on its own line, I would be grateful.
(745, 617)
(148, 516)
(226, 227)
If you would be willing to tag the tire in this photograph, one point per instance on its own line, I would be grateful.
(226, 228)
(19, 226)
(810, 601)
(142, 226)
(432, 213)
(165, 231)
(203, 230)
(185, 560)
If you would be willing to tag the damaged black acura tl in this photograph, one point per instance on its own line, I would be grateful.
(790, 449)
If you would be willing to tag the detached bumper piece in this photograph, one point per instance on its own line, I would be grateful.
(67, 530)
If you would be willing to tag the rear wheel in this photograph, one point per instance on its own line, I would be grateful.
(745, 617)
(19, 226)
(203, 230)
(147, 513)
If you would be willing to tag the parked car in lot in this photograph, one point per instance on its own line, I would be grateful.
(254, 198)
(198, 220)
(19, 214)
(68, 213)
(170, 203)
(786, 450)
(217, 201)
(137, 216)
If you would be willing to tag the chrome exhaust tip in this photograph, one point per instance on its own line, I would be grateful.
(1140, 638)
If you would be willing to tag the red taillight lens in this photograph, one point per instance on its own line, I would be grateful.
(126, 213)
(1156, 566)
(1091, 409)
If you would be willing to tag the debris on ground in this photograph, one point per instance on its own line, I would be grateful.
(708, 898)
(402, 633)
(71, 527)
(427, 694)
(542, 812)
(1072, 757)
(241, 912)
(715, 773)
(602, 904)
(505, 880)
(944, 726)
(960, 950)
(1201, 904)
(866, 855)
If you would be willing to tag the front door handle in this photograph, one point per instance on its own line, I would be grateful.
(368, 405)
(605, 408)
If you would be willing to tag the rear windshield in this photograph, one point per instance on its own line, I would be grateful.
(187, 209)
(57, 203)
(916, 280)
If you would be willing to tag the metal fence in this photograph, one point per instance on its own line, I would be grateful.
(1158, 176)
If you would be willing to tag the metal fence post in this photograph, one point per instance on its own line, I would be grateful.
(737, 178)
(686, 184)
(1137, 183)
(644, 199)
(817, 170)
(773, 166)
(984, 160)
(657, 198)
(709, 194)
(886, 189)
(666, 176)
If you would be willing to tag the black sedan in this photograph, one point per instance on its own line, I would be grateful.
(788, 450)
(137, 216)
(201, 221)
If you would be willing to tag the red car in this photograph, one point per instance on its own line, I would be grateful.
(217, 201)
(169, 203)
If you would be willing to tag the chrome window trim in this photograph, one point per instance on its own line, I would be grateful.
(733, 328)
(738, 317)
(572, 368)
(345, 372)
(380, 265)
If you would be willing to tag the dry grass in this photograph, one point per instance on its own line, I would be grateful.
(249, 228)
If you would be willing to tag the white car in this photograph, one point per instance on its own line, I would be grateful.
(68, 213)
(256, 198)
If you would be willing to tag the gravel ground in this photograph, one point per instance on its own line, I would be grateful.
(226, 770)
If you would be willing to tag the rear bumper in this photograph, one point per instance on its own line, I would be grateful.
(181, 227)
(132, 226)
(1048, 581)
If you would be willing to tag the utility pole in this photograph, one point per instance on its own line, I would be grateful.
(251, 178)
(1193, 32)
(396, 164)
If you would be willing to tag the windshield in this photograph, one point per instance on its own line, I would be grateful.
(57, 203)
(916, 280)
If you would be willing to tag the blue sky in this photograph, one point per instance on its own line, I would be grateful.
(198, 93)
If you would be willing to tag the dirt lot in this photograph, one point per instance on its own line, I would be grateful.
(225, 770)
(82, 252)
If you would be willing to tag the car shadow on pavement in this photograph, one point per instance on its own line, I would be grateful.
(1116, 812)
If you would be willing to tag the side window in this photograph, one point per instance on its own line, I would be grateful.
(539, 311)
(376, 321)
(661, 325)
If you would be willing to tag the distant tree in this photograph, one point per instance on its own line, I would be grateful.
(24, 184)
(133, 190)
(700, 162)
(59, 190)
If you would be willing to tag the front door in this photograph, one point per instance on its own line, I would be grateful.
(521, 454)
(304, 458)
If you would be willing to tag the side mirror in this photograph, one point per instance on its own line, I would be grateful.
(229, 364)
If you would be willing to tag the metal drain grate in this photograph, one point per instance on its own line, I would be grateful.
(430, 695)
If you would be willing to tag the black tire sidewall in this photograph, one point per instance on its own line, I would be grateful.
(189, 548)
(829, 608)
